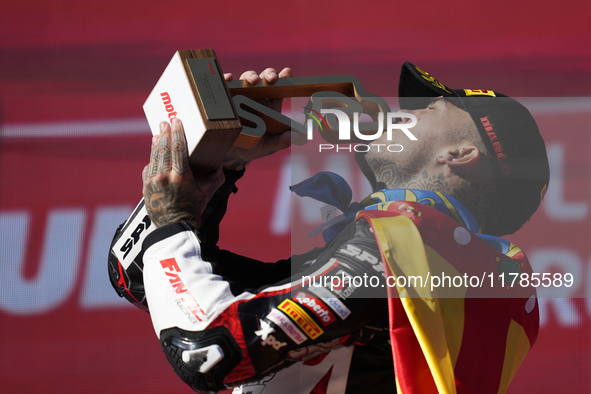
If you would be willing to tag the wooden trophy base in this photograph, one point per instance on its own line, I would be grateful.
(193, 89)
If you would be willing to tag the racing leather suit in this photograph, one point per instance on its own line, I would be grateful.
(224, 319)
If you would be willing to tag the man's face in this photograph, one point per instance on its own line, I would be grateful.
(434, 130)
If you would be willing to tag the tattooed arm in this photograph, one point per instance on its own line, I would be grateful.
(170, 192)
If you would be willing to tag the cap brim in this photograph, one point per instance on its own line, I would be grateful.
(416, 87)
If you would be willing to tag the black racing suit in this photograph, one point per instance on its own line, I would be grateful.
(225, 319)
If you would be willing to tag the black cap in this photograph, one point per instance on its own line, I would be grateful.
(509, 132)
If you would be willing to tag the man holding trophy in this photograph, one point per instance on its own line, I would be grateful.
(479, 166)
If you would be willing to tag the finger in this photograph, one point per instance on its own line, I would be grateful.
(270, 74)
(286, 73)
(214, 181)
(179, 154)
(164, 151)
(251, 76)
(277, 142)
(228, 77)
(153, 165)
(145, 174)
(284, 140)
(220, 178)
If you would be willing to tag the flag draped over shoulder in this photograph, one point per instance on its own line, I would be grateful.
(461, 318)
(468, 333)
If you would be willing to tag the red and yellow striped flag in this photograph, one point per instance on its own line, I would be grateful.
(448, 339)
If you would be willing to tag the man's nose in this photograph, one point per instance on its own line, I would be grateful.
(404, 119)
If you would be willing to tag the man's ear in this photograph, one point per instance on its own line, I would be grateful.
(463, 160)
(464, 157)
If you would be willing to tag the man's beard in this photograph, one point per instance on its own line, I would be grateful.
(384, 173)
(366, 170)
(388, 174)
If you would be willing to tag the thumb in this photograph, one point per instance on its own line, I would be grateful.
(278, 142)
(213, 181)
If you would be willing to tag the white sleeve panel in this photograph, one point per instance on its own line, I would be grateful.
(181, 289)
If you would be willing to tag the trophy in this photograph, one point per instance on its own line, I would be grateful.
(192, 87)
(216, 116)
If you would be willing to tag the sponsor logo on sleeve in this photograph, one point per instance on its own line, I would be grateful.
(301, 318)
(186, 300)
(286, 326)
(317, 307)
(346, 287)
(134, 239)
(271, 340)
(329, 299)
(365, 256)
(266, 338)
